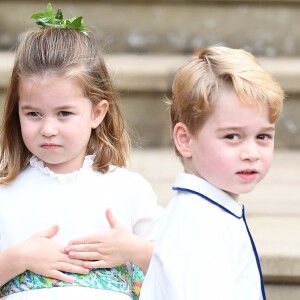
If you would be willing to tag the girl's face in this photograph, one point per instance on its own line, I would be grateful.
(56, 120)
(234, 148)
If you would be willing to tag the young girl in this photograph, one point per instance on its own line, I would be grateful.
(63, 146)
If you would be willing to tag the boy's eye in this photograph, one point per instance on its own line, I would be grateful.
(264, 137)
(232, 136)
(64, 113)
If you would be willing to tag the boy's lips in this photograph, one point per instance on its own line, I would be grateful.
(247, 171)
(247, 174)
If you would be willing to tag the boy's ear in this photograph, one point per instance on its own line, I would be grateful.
(182, 139)
(99, 112)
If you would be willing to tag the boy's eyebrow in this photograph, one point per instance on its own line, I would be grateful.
(268, 128)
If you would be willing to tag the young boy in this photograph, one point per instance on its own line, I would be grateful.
(223, 113)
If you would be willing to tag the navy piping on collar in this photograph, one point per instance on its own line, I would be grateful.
(208, 199)
(247, 228)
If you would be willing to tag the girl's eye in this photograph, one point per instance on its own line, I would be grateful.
(34, 114)
(233, 137)
(64, 113)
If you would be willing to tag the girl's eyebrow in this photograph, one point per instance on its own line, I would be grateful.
(65, 107)
(29, 107)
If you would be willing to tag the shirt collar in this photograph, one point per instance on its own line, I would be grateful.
(201, 187)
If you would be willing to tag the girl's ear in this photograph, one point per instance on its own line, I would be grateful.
(182, 139)
(98, 113)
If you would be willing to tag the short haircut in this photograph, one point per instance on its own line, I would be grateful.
(196, 85)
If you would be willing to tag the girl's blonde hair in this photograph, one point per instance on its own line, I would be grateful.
(63, 52)
(196, 85)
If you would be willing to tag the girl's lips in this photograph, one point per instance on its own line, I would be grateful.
(50, 146)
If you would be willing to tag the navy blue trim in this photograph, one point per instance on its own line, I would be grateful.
(247, 228)
(256, 258)
(208, 199)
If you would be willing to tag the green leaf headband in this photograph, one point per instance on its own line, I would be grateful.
(51, 19)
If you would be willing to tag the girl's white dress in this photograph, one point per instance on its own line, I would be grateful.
(39, 198)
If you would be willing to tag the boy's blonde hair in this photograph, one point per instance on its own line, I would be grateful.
(63, 52)
(196, 85)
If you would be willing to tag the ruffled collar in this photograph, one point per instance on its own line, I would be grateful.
(63, 178)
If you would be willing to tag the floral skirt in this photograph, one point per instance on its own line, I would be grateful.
(125, 279)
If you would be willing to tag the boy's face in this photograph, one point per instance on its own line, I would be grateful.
(234, 148)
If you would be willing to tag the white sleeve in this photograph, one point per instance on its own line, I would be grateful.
(146, 213)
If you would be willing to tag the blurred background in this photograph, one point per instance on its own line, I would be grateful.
(145, 42)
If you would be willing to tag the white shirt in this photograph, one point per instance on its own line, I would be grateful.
(204, 250)
(39, 198)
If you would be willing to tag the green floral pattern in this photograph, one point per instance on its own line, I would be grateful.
(123, 279)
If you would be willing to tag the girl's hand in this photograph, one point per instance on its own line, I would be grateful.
(112, 248)
(45, 257)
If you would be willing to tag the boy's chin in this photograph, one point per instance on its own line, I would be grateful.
(235, 194)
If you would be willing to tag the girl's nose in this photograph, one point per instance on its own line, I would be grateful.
(49, 128)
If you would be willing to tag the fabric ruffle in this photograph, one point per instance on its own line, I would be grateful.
(63, 178)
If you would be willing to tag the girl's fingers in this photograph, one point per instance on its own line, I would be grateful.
(87, 248)
(61, 276)
(81, 248)
(85, 240)
(100, 264)
(73, 261)
(65, 267)
(111, 219)
(85, 256)
(49, 232)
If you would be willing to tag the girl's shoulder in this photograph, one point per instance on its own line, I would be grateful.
(126, 175)
(23, 176)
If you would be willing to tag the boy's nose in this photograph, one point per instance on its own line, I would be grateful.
(49, 128)
(250, 152)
